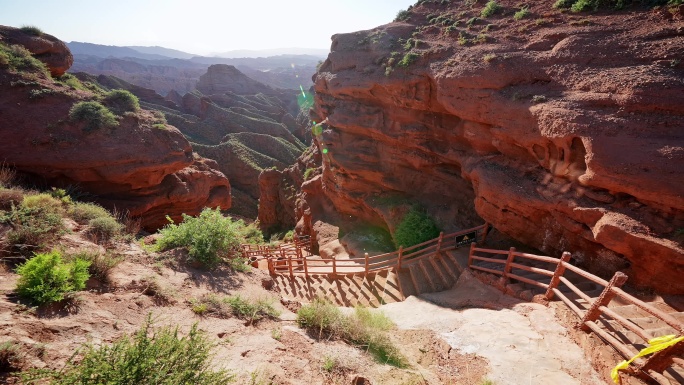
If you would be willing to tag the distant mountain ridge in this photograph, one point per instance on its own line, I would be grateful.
(166, 70)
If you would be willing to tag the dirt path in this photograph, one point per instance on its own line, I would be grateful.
(523, 342)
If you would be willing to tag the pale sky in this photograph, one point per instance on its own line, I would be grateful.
(201, 26)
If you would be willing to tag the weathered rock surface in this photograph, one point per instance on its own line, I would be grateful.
(46, 48)
(562, 130)
(135, 166)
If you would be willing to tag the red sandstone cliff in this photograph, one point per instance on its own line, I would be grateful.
(565, 131)
(140, 165)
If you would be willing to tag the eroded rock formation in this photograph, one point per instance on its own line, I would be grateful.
(562, 130)
(140, 165)
(47, 48)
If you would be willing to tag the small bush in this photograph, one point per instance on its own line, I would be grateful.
(211, 305)
(408, 59)
(250, 233)
(31, 30)
(10, 197)
(35, 222)
(522, 13)
(71, 81)
(104, 229)
(252, 311)
(93, 114)
(10, 357)
(490, 8)
(7, 175)
(121, 101)
(159, 357)
(18, 58)
(100, 263)
(402, 15)
(46, 278)
(416, 227)
(488, 58)
(239, 264)
(308, 174)
(208, 237)
(83, 212)
(364, 329)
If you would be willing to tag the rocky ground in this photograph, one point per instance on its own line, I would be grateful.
(446, 340)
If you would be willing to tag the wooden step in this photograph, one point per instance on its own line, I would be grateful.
(419, 280)
(429, 275)
(406, 282)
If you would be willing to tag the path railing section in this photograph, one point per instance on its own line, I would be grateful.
(507, 260)
(289, 259)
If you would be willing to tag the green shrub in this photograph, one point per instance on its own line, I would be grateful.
(408, 59)
(71, 81)
(46, 278)
(490, 8)
(159, 357)
(104, 228)
(208, 237)
(100, 263)
(309, 173)
(252, 311)
(239, 264)
(93, 114)
(18, 58)
(36, 221)
(83, 212)
(416, 227)
(364, 329)
(121, 101)
(31, 30)
(250, 233)
(10, 357)
(522, 13)
(402, 15)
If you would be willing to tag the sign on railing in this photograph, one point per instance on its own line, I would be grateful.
(465, 239)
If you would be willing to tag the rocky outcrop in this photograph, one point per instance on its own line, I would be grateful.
(561, 130)
(222, 78)
(140, 165)
(46, 48)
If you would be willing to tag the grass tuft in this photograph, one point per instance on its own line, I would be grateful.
(93, 115)
(47, 278)
(160, 357)
(490, 9)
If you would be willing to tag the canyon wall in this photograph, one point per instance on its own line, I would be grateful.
(564, 131)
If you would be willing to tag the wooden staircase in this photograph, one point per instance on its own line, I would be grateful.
(623, 320)
(434, 273)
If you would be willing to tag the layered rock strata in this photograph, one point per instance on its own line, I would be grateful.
(562, 130)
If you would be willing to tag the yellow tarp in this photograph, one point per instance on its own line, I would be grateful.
(656, 345)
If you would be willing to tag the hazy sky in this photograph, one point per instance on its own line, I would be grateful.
(201, 26)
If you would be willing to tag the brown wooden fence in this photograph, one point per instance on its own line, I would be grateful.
(653, 365)
(289, 259)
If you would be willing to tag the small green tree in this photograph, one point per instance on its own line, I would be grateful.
(416, 227)
(46, 278)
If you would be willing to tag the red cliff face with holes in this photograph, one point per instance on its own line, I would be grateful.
(136, 166)
(565, 131)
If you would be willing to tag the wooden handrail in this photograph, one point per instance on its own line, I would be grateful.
(585, 274)
(668, 319)
(492, 260)
(490, 251)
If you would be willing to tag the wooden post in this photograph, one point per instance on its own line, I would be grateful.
(560, 270)
(470, 255)
(334, 273)
(606, 296)
(306, 268)
(365, 268)
(271, 268)
(485, 231)
(439, 241)
(509, 260)
(289, 265)
(401, 251)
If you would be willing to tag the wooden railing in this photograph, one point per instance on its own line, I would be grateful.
(590, 318)
(289, 260)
